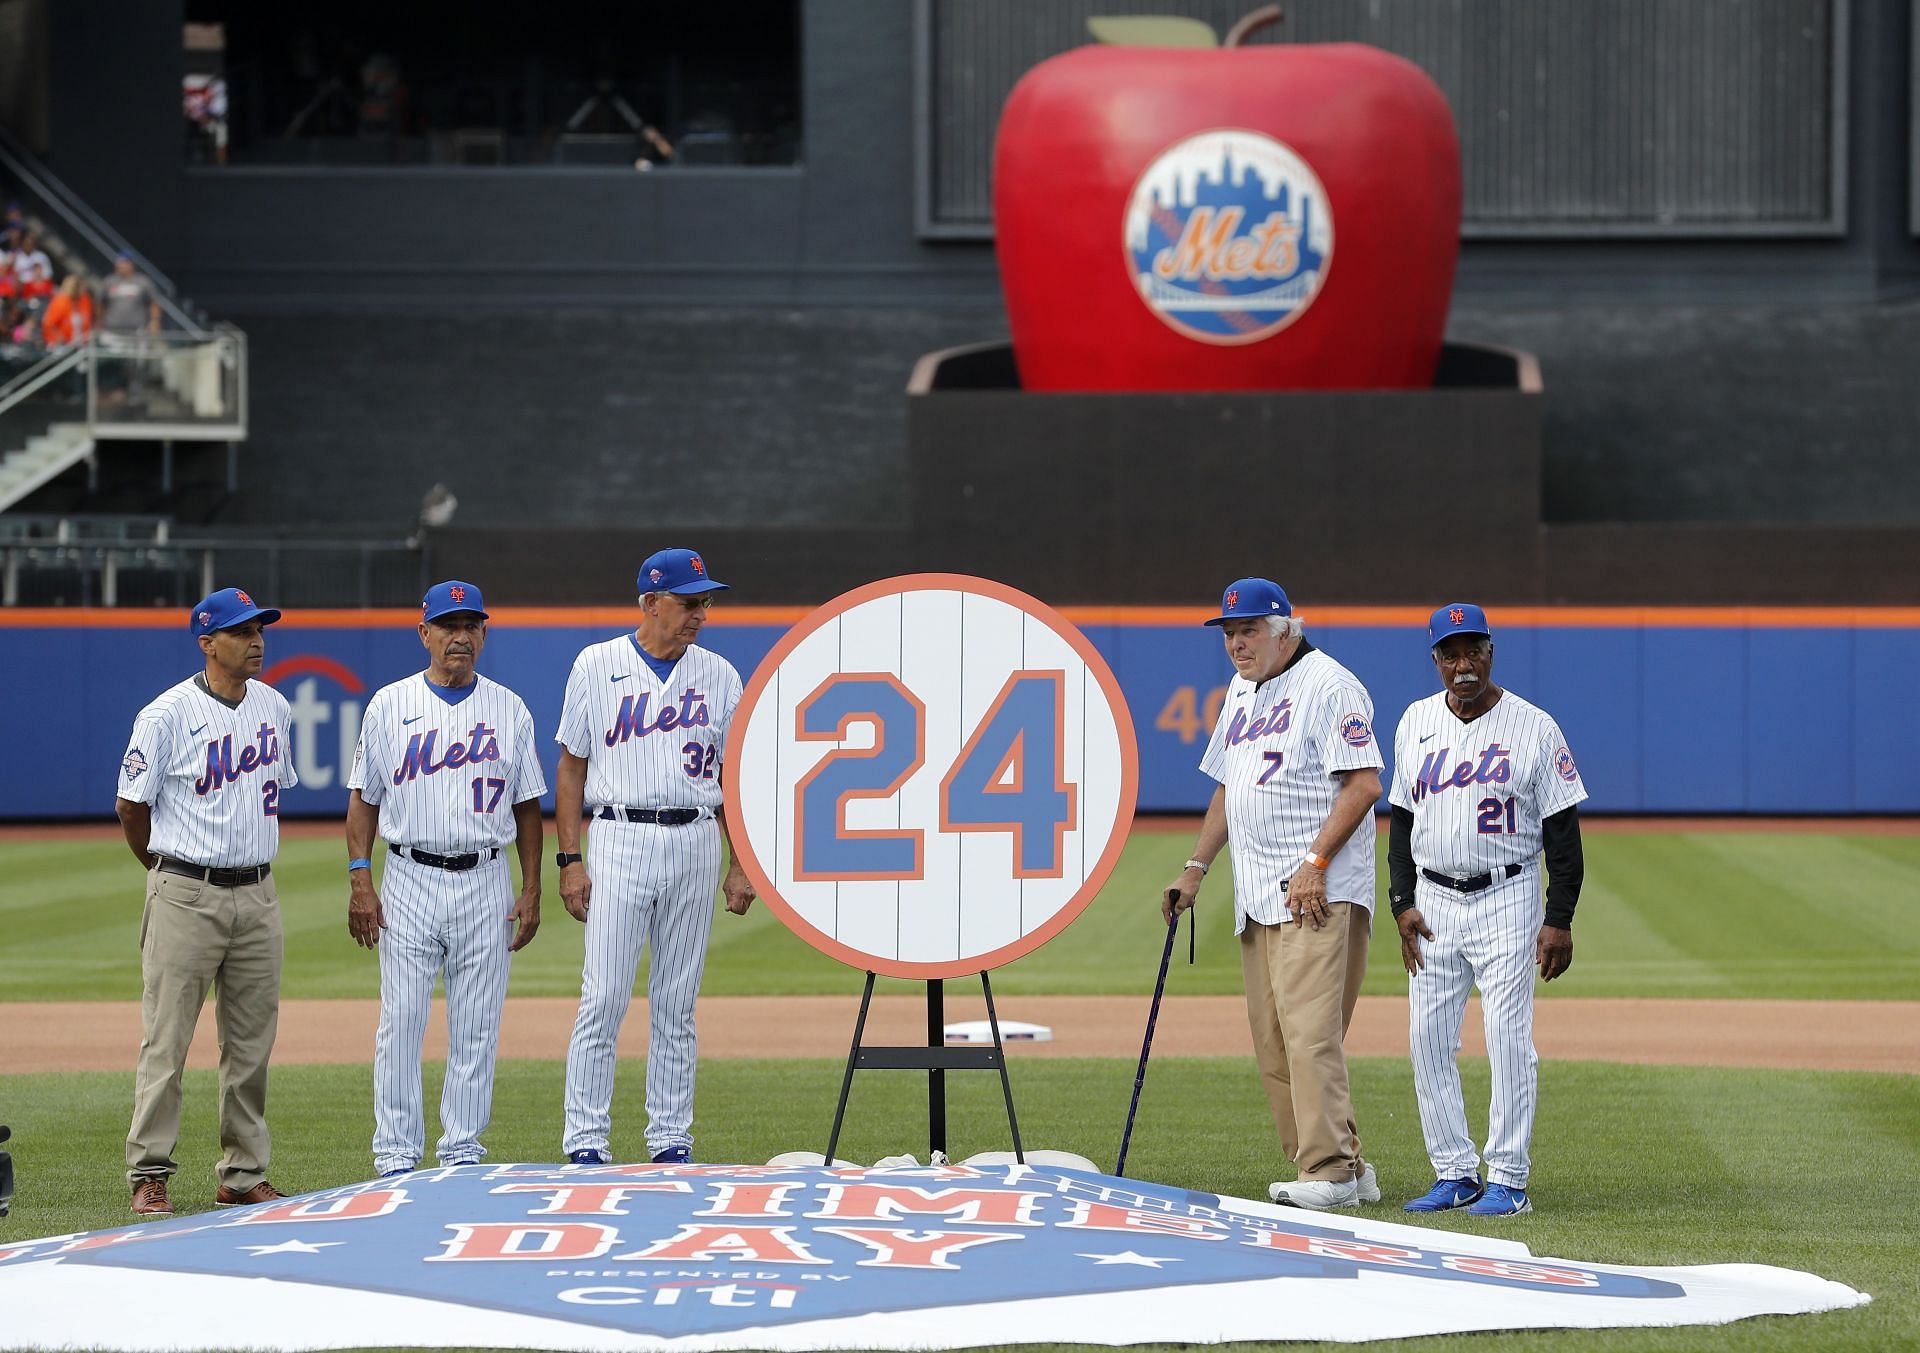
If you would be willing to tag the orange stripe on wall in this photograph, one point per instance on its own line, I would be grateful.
(1394, 617)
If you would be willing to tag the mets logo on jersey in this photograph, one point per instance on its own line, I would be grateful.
(136, 764)
(1228, 236)
(1563, 766)
(1355, 731)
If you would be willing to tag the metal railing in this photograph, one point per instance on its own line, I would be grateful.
(146, 562)
(168, 385)
(41, 184)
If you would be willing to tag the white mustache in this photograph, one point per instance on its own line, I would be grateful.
(1467, 679)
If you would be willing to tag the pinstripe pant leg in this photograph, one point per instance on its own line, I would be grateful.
(1505, 974)
(477, 969)
(617, 919)
(1436, 1004)
(682, 924)
(411, 951)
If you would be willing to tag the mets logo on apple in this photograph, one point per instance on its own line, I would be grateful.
(1229, 236)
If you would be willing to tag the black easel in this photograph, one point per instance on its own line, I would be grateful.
(936, 1059)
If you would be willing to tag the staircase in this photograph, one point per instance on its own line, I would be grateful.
(43, 459)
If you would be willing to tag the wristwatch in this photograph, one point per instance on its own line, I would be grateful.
(567, 857)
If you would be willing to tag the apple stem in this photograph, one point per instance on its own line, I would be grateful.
(1249, 24)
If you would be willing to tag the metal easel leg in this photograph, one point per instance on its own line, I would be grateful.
(1006, 1086)
(846, 1082)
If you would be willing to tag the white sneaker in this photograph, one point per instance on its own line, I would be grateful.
(1368, 1185)
(1320, 1195)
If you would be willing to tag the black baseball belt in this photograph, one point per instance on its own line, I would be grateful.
(1472, 883)
(219, 878)
(658, 817)
(452, 863)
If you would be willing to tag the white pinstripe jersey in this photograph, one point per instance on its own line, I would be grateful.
(1276, 748)
(649, 743)
(1479, 790)
(213, 773)
(446, 775)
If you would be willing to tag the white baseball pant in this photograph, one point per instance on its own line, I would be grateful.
(460, 923)
(653, 887)
(1486, 939)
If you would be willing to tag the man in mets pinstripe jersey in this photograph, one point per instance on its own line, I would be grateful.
(1481, 779)
(199, 801)
(448, 772)
(642, 731)
(1299, 772)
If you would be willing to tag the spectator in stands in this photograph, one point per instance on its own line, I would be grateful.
(32, 269)
(9, 283)
(132, 305)
(69, 314)
(131, 310)
(14, 221)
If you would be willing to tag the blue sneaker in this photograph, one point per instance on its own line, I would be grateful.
(1447, 1194)
(589, 1157)
(674, 1155)
(389, 1174)
(1500, 1201)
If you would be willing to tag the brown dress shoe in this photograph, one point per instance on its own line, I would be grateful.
(263, 1192)
(150, 1197)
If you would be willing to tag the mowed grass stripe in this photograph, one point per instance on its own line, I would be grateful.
(1637, 1165)
(1738, 915)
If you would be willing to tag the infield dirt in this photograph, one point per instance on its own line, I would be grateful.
(1810, 1035)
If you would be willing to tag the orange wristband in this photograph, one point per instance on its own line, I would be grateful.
(1320, 862)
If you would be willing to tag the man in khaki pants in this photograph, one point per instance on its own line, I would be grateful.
(1299, 771)
(199, 800)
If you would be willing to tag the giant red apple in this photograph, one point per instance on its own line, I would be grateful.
(1242, 218)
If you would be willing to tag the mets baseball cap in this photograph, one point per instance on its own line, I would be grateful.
(1457, 617)
(1251, 597)
(225, 609)
(682, 572)
(451, 597)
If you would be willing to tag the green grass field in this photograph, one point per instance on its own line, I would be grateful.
(1635, 1164)
(1686, 914)
(1651, 1165)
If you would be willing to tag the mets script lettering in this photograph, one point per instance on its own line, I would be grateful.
(222, 769)
(1495, 768)
(1276, 720)
(482, 744)
(632, 721)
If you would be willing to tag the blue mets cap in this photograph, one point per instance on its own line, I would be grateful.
(1251, 597)
(682, 572)
(225, 609)
(1457, 617)
(450, 598)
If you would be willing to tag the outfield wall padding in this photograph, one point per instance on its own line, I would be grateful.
(1667, 711)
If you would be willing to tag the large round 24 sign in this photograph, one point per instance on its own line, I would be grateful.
(931, 776)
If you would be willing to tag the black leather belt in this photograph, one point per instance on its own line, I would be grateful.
(454, 863)
(659, 817)
(219, 878)
(1473, 883)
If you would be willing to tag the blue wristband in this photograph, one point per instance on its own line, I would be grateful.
(358, 864)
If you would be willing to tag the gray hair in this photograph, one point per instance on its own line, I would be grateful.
(1286, 626)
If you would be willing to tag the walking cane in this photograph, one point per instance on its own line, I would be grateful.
(1146, 1046)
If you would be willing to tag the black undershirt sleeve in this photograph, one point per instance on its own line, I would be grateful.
(1566, 867)
(1400, 875)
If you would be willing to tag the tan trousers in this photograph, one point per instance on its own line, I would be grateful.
(193, 935)
(1302, 985)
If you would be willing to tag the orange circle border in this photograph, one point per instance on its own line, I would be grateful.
(1096, 878)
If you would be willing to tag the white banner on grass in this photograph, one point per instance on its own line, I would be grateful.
(772, 1257)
